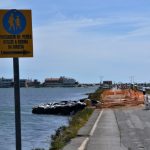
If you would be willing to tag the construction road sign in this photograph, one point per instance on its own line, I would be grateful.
(16, 33)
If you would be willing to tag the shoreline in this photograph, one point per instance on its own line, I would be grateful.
(96, 94)
(46, 125)
(65, 130)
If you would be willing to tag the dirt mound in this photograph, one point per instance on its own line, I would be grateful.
(116, 98)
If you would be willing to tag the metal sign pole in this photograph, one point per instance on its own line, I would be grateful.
(16, 41)
(17, 103)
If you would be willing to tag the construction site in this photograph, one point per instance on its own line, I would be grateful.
(119, 122)
(112, 98)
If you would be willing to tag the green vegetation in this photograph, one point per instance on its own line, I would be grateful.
(65, 134)
(147, 91)
(96, 95)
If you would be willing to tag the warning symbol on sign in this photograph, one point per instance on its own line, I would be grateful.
(14, 22)
(16, 38)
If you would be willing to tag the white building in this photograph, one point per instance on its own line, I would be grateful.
(60, 82)
(6, 83)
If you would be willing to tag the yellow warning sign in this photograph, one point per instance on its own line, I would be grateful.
(16, 33)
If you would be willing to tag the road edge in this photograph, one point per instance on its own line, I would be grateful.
(84, 143)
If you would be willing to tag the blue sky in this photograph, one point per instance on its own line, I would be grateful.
(86, 39)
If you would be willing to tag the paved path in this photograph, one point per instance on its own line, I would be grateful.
(134, 125)
(101, 132)
(106, 135)
(116, 129)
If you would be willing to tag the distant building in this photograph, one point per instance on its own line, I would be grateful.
(107, 84)
(29, 83)
(34, 83)
(23, 82)
(6, 83)
(68, 81)
(60, 82)
(51, 82)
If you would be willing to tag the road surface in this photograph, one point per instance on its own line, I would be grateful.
(134, 126)
(106, 135)
(122, 128)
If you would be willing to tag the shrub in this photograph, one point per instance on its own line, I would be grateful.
(64, 134)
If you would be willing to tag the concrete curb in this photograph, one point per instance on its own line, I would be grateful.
(84, 143)
(80, 142)
(86, 129)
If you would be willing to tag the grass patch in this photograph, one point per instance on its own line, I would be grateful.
(147, 91)
(65, 134)
(96, 95)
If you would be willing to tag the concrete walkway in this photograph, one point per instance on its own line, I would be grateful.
(100, 133)
(106, 135)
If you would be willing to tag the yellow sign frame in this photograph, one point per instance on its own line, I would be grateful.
(19, 42)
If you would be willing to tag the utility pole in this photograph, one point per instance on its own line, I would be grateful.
(131, 79)
(101, 79)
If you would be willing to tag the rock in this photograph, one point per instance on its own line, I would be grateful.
(61, 108)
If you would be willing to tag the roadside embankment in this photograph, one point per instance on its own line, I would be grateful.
(96, 95)
(82, 125)
(82, 137)
(65, 134)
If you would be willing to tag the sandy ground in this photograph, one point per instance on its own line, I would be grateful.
(117, 97)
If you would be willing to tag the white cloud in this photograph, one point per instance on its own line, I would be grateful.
(61, 48)
(64, 38)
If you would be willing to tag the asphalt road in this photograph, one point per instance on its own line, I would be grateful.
(134, 127)
(106, 135)
(116, 129)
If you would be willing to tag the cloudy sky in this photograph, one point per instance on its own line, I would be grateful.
(86, 39)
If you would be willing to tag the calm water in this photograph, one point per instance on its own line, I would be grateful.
(36, 129)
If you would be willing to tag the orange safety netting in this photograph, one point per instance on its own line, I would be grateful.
(126, 97)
